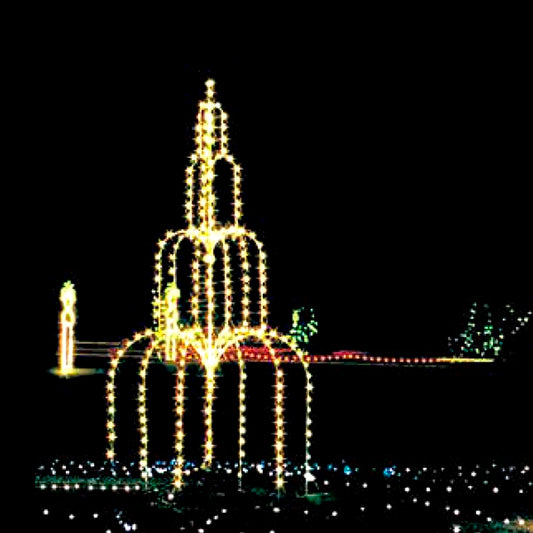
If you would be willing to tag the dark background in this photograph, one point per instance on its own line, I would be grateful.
(389, 187)
(386, 170)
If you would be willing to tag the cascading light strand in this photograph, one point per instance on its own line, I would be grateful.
(143, 416)
(172, 294)
(245, 265)
(111, 404)
(208, 416)
(228, 293)
(189, 192)
(223, 135)
(195, 274)
(263, 301)
(279, 441)
(111, 396)
(180, 415)
(242, 417)
(308, 432)
(237, 201)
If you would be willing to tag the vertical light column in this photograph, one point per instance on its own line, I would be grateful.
(279, 429)
(245, 265)
(242, 416)
(111, 407)
(223, 132)
(189, 191)
(158, 302)
(67, 320)
(263, 301)
(209, 260)
(208, 415)
(308, 433)
(237, 201)
(228, 291)
(207, 167)
(172, 295)
(195, 273)
(180, 413)
(143, 417)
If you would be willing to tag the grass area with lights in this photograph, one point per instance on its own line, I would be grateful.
(463, 497)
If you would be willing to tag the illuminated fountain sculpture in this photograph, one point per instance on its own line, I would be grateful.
(210, 306)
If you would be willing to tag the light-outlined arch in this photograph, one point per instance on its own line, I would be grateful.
(117, 356)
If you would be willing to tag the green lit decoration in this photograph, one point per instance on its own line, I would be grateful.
(304, 326)
(485, 333)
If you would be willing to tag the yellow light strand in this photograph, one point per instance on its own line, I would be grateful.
(263, 301)
(279, 442)
(237, 202)
(209, 389)
(210, 292)
(308, 433)
(172, 294)
(245, 265)
(228, 294)
(189, 194)
(111, 404)
(195, 300)
(143, 416)
(223, 137)
(242, 417)
(180, 415)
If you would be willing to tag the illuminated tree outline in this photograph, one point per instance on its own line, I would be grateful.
(485, 333)
(303, 328)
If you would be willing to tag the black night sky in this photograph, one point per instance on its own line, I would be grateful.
(388, 184)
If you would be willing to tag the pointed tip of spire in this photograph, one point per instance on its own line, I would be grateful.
(210, 88)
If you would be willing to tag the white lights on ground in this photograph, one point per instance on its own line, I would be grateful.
(437, 490)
